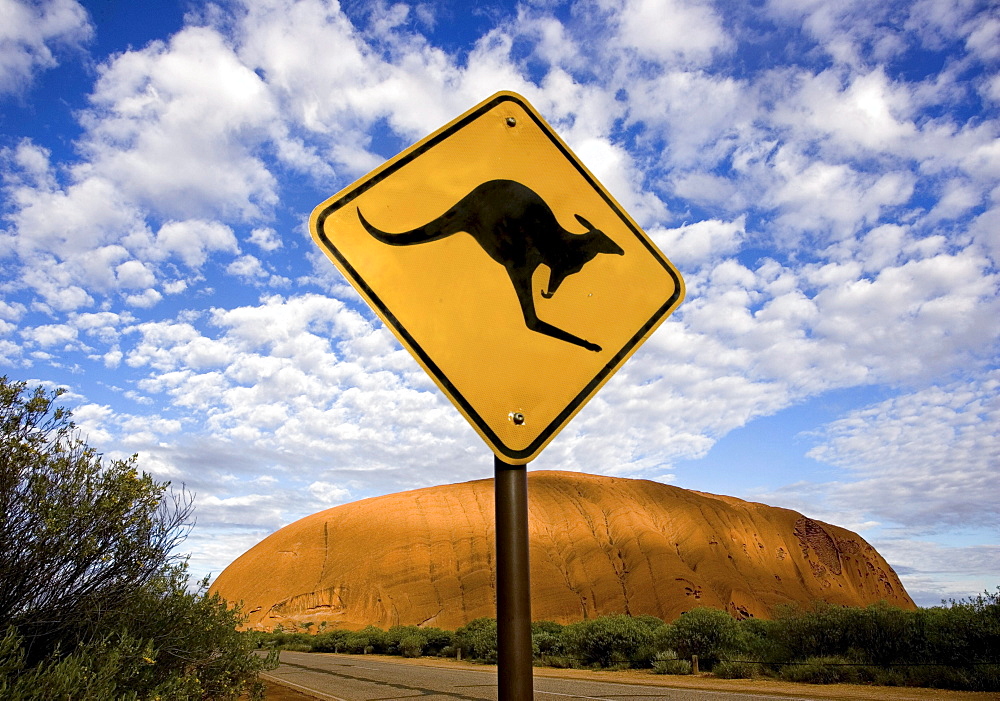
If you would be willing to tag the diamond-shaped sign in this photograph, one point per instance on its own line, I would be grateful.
(504, 267)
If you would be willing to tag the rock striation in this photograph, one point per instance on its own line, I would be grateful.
(599, 545)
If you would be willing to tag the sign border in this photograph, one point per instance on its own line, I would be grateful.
(345, 196)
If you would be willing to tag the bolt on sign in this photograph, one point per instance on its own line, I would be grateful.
(507, 270)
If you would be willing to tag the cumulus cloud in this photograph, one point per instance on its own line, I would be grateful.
(266, 238)
(194, 240)
(33, 33)
(678, 31)
(173, 125)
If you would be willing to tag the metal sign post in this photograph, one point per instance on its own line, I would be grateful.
(514, 655)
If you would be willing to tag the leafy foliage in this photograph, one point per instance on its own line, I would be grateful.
(479, 639)
(953, 646)
(79, 535)
(666, 662)
(612, 640)
(93, 604)
(708, 633)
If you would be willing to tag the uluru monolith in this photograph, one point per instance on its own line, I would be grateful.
(599, 545)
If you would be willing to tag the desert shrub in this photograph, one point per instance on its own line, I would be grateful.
(192, 633)
(964, 631)
(824, 629)
(88, 533)
(559, 661)
(756, 641)
(412, 645)
(547, 644)
(101, 670)
(392, 637)
(651, 622)
(666, 662)
(986, 677)
(284, 640)
(432, 641)
(178, 644)
(547, 639)
(436, 640)
(702, 631)
(478, 638)
(365, 641)
(882, 634)
(330, 641)
(550, 627)
(736, 669)
(820, 670)
(92, 598)
(610, 640)
(882, 676)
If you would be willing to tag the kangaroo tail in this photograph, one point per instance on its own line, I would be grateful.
(431, 231)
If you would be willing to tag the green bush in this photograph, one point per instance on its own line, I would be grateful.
(735, 669)
(964, 631)
(666, 662)
(478, 639)
(547, 639)
(412, 645)
(611, 640)
(705, 632)
(820, 670)
(436, 640)
(331, 641)
(393, 636)
(93, 604)
(559, 661)
(365, 641)
(881, 676)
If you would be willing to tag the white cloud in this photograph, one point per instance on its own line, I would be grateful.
(134, 274)
(173, 127)
(703, 117)
(922, 459)
(815, 197)
(192, 241)
(51, 335)
(869, 113)
(695, 244)
(329, 493)
(848, 30)
(170, 346)
(30, 33)
(145, 299)
(12, 311)
(984, 40)
(247, 267)
(933, 572)
(676, 31)
(265, 238)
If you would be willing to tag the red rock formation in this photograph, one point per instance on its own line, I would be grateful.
(599, 545)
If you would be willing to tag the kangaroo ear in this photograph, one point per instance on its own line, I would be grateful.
(590, 227)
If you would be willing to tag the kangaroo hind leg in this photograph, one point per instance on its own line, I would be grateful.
(522, 285)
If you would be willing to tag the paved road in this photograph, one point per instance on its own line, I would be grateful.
(351, 678)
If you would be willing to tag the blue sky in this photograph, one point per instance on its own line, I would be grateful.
(825, 174)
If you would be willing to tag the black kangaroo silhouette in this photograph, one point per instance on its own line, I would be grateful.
(519, 231)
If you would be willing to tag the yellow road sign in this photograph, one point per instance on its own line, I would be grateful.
(507, 270)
